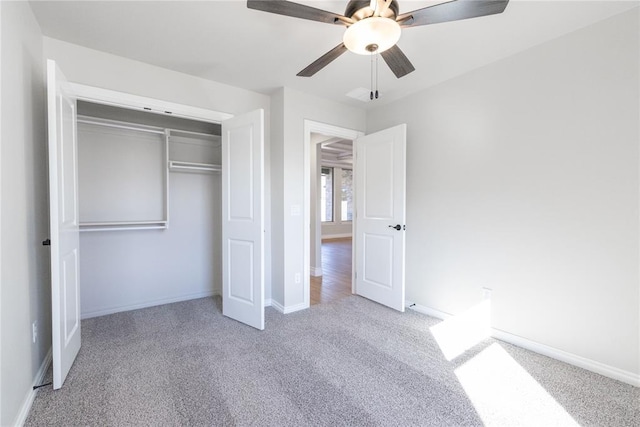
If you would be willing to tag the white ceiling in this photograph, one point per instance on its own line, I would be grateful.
(226, 42)
(336, 152)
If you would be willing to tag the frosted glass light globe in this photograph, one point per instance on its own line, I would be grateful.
(383, 32)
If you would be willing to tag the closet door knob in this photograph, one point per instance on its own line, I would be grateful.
(397, 227)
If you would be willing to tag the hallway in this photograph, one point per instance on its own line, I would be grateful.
(335, 282)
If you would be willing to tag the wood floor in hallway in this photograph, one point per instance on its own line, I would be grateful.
(335, 282)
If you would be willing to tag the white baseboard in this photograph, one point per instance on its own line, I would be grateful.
(275, 304)
(570, 358)
(427, 310)
(336, 236)
(293, 308)
(290, 309)
(21, 418)
(315, 271)
(128, 307)
(552, 352)
(267, 303)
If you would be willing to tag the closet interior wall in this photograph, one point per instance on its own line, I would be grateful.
(150, 209)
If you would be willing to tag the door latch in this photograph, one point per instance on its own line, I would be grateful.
(46, 242)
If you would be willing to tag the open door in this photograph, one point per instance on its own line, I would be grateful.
(243, 218)
(64, 224)
(380, 216)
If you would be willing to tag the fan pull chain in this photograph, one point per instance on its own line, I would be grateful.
(373, 48)
(377, 74)
(371, 77)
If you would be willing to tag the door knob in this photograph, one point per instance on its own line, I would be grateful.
(397, 227)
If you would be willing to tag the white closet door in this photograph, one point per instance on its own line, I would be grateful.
(64, 224)
(243, 218)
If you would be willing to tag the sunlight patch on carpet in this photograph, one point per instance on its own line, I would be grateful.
(459, 333)
(503, 392)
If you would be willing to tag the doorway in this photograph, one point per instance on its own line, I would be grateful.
(331, 266)
(337, 167)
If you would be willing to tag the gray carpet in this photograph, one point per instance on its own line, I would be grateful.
(351, 362)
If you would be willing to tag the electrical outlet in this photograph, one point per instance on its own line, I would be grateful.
(34, 331)
(486, 293)
(296, 278)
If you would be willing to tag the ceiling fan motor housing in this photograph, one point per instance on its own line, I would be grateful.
(360, 9)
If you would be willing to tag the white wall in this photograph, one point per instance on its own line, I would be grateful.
(523, 177)
(277, 196)
(123, 270)
(24, 281)
(336, 230)
(296, 107)
(100, 69)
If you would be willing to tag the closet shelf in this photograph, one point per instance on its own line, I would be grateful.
(123, 225)
(193, 167)
(191, 134)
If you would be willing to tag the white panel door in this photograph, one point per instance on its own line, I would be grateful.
(243, 218)
(380, 216)
(64, 224)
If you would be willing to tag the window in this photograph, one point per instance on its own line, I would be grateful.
(346, 205)
(326, 195)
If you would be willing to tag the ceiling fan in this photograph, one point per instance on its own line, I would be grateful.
(374, 26)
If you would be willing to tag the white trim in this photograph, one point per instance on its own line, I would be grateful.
(329, 130)
(25, 408)
(316, 271)
(552, 352)
(275, 304)
(427, 310)
(129, 101)
(570, 358)
(267, 302)
(297, 307)
(162, 301)
(290, 309)
(336, 236)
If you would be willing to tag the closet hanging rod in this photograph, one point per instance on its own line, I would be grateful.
(150, 227)
(118, 223)
(119, 125)
(190, 166)
(189, 132)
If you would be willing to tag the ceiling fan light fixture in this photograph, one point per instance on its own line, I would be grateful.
(375, 31)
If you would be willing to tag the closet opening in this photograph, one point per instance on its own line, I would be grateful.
(149, 194)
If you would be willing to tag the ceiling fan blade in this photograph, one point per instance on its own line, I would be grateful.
(452, 11)
(323, 61)
(397, 61)
(297, 10)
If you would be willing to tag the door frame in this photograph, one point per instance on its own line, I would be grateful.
(310, 127)
(150, 105)
(129, 101)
